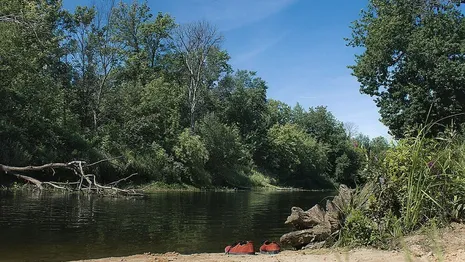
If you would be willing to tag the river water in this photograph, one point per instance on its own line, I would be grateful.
(58, 227)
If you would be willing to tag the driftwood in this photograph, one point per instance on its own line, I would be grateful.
(301, 219)
(85, 182)
(314, 226)
(301, 238)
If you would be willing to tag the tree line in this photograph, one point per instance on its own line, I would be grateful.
(118, 79)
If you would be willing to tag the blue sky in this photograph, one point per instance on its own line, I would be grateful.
(296, 46)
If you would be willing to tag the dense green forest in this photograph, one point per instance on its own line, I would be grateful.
(124, 81)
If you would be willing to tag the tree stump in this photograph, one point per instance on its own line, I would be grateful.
(314, 226)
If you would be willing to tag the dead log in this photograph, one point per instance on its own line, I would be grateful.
(343, 198)
(315, 245)
(8, 169)
(32, 180)
(301, 238)
(333, 216)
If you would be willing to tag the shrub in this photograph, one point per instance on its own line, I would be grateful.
(297, 158)
(229, 161)
(420, 180)
(191, 151)
(153, 164)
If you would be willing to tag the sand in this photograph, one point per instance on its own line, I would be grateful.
(448, 245)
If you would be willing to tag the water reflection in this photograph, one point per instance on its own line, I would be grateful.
(71, 226)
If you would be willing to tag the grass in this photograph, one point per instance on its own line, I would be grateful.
(424, 184)
(423, 190)
(258, 181)
(161, 187)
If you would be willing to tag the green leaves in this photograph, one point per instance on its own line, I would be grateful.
(229, 160)
(118, 80)
(412, 61)
(296, 157)
(191, 151)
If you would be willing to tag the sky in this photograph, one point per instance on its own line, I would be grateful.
(296, 46)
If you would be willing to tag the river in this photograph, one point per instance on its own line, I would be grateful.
(58, 227)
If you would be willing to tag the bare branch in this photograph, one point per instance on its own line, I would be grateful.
(13, 19)
(104, 160)
(121, 180)
(7, 169)
(54, 185)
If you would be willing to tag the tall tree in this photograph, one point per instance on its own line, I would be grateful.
(351, 129)
(33, 78)
(195, 43)
(413, 61)
(278, 112)
(246, 107)
(143, 39)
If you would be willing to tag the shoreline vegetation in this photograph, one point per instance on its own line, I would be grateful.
(156, 187)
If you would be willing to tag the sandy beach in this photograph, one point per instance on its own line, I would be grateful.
(450, 246)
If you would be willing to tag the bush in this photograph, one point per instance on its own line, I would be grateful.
(153, 164)
(420, 180)
(297, 158)
(191, 151)
(229, 161)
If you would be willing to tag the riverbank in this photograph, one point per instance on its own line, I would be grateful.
(162, 187)
(449, 245)
(157, 187)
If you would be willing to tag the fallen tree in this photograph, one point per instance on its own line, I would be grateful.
(84, 182)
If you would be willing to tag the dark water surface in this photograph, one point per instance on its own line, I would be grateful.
(58, 227)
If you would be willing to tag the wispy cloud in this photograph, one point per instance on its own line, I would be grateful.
(238, 13)
(232, 14)
(263, 46)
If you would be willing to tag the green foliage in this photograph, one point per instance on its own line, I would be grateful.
(344, 161)
(419, 180)
(245, 106)
(191, 151)
(412, 62)
(35, 124)
(152, 164)
(259, 179)
(120, 81)
(229, 161)
(360, 228)
(296, 157)
(278, 112)
(371, 155)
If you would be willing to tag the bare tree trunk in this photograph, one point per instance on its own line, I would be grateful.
(192, 122)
